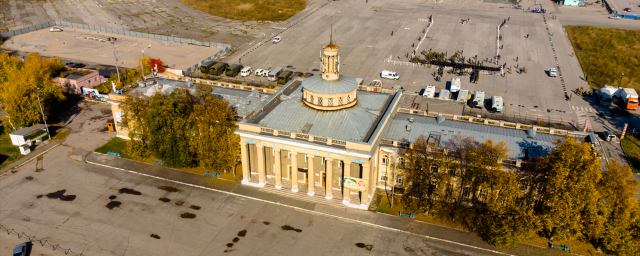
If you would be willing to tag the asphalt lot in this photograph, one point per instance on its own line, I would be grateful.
(86, 225)
(363, 32)
(66, 44)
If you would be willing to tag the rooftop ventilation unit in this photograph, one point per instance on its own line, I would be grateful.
(440, 119)
(531, 133)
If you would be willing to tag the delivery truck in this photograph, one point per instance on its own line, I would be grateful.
(204, 69)
(233, 70)
(478, 99)
(218, 68)
(629, 98)
(605, 94)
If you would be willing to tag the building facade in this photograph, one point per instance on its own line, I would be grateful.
(76, 79)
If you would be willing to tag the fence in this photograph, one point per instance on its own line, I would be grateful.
(226, 48)
(42, 242)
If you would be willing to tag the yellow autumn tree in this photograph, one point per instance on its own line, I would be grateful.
(22, 82)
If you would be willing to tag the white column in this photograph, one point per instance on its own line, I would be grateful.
(294, 172)
(329, 178)
(261, 171)
(366, 176)
(311, 174)
(246, 172)
(278, 169)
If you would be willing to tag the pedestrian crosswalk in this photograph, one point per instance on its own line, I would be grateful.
(582, 116)
(584, 109)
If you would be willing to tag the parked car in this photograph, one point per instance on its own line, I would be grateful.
(23, 249)
(54, 29)
(245, 71)
(614, 17)
(259, 72)
(70, 63)
(389, 75)
(627, 9)
(277, 39)
(553, 72)
(78, 65)
(265, 72)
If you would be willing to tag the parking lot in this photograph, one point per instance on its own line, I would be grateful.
(66, 44)
(363, 31)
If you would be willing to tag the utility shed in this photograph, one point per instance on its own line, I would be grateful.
(28, 134)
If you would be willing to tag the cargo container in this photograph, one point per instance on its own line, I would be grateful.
(496, 103)
(463, 96)
(478, 99)
(284, 77)
(233, 70)
(204, 69)
(218, 68)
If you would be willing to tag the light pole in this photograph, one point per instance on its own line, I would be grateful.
(42, 112)
(229, 145)
(620, 83)
(141, 66)
(115, 56)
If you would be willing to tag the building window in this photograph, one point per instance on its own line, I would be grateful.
(400, 161)
(399, 181)
(306, 158)
(385, 160)
(340, 101)
(289, 155)
(311, 98)
(349, 98)
(465, 192)
(383, 177)
(330, 102)
(319, 100)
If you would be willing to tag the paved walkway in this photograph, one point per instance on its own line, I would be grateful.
(402, 224)
(30, 156)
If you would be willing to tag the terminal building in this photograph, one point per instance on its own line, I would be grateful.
(328, 139)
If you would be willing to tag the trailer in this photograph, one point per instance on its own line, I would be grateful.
(463, 96)
(429, 91)
(478, 99)
(218, 68)
(284, 77)
(233, 70)
(444, 94)
(204, 69)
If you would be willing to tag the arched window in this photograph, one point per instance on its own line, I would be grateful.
(330, 102)
(340, 101)
(311, 98)
(319, 100)
(400, 161)
(385, 160)
(349, 98)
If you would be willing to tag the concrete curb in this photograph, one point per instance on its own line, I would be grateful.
(305, 210)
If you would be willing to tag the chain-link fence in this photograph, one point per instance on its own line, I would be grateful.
(42, 242)
(225, 47)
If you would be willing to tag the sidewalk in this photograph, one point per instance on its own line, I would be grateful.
(30, 156)
(384, 221)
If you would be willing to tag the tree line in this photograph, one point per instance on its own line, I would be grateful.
(22, 82)
(182, 129)
(564, 195)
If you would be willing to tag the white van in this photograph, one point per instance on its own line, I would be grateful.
(496, 103)
(259, 72)
(455, 85)
(389, 75)
(478, 99)
(246, 71)
(429, 91)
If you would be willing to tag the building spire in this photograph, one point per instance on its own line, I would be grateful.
(331, 36)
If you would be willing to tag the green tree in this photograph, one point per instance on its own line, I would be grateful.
(618, 190)
(214, 139)
(570, 198)
(169, 127)
(422, 172)
(134, 110)
(22, 82)
(510, 226)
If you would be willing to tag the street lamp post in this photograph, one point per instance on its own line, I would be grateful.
(620, 83)
(42, 112)
(141, 66)
(115, 56)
